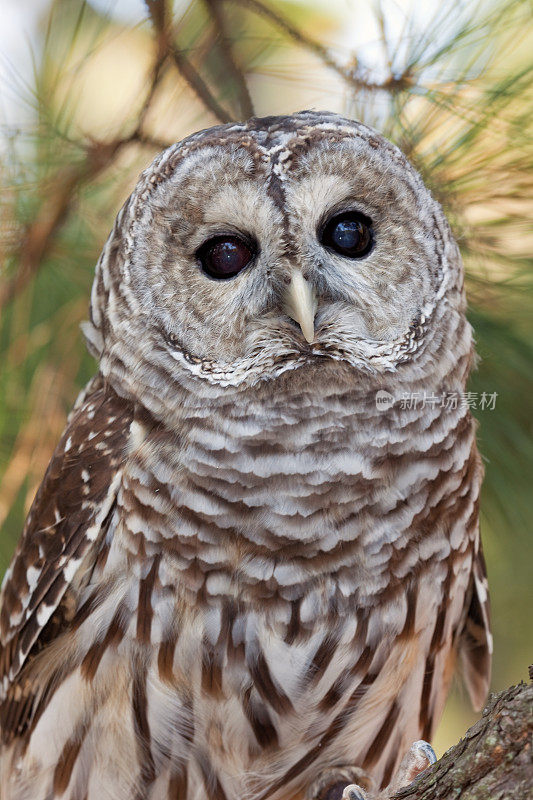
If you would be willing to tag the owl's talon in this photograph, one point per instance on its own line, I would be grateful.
(418, 758)
(334, 782)
(354, 792)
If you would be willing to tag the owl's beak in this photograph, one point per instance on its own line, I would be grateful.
(300, 304)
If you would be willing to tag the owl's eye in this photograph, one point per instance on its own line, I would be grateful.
(224, 256)
(349, 234)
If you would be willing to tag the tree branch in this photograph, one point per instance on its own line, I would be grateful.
(234, 71)
(39, 234)
(154, 83)
(348, 74)
(492, 761)
(158, 14)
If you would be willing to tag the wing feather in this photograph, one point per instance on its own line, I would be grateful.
(475, 642)
(64, 524)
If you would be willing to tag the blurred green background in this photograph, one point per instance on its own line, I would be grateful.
(91, 91)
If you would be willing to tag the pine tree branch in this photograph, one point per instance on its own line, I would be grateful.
(147, 140)
(157, 72)
(348, 74)
(157, 11)
(191, 76)
(39, 235)
(234, 71)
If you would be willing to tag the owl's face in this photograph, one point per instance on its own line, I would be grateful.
(253, 249)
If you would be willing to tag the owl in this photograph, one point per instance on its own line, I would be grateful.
(254, 559)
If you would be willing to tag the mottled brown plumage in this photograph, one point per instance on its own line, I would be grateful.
(242, 576)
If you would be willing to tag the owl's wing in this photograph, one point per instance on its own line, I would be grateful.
(475, 640)
(65, 525)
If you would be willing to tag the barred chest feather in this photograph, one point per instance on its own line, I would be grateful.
(277, 588)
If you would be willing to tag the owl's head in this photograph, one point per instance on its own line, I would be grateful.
(250, 250)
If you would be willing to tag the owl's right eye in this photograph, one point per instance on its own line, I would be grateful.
(224, 256)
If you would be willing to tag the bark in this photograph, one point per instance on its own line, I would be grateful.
(492, 762)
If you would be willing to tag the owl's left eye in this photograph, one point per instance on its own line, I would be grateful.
(224, 256)
(349, 234)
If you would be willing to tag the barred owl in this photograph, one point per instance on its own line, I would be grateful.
(243, 576)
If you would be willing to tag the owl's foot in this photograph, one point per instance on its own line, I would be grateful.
(331, 784)
(353, 783)
(418, 758)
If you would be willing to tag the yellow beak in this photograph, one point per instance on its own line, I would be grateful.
(300, 304)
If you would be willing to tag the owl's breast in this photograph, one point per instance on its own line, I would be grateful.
(310, 501)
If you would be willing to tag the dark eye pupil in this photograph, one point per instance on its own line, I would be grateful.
(348, 234)
(224, 256)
